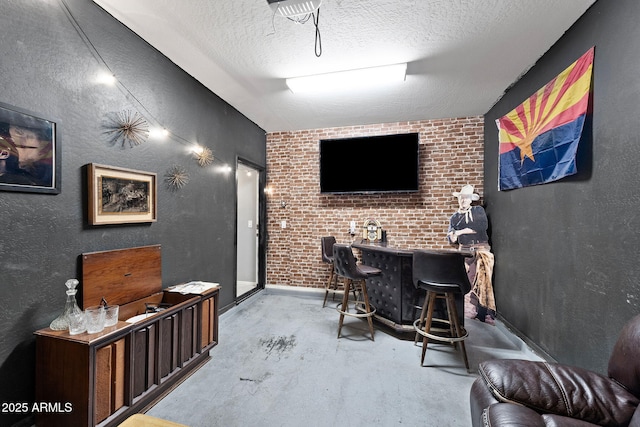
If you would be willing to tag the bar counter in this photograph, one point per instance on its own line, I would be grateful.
(397, 301)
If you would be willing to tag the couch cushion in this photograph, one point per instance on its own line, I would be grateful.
(560, 389)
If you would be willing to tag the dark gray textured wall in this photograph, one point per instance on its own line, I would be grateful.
(46, 67)
(566, 273)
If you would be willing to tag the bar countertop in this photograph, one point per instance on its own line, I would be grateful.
(405, 252)
(382, 248)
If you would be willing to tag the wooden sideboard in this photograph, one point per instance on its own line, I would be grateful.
(101, 379)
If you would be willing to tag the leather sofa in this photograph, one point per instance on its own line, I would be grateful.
(531, 393)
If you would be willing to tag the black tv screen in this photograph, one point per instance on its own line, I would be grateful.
(372, 164)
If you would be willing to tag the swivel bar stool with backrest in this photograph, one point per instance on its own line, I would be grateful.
(327, 257)
(354, 276)
(442, 274)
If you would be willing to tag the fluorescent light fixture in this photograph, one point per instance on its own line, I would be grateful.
(346, 80)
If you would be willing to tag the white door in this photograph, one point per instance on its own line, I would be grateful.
(248, 229)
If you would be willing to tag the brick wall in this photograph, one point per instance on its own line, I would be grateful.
(451, 155)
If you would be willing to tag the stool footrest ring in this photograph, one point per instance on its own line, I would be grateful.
(440, 337)
(357, 313)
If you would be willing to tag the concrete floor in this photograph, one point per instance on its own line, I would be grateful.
(279, 363)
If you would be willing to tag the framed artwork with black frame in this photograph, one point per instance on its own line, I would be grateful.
(120, 195)
(29, 152)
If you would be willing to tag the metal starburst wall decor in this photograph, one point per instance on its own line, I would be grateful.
(127, 127)
(176, 177)
(204, 156)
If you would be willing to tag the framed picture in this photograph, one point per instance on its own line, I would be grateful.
(121, 196)
(29, 152)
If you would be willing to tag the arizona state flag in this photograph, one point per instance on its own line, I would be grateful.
(539, 138)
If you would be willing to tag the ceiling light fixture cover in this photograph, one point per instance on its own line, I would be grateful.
(291, 8)
(351, 79)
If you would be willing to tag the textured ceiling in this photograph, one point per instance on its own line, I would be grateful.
(461, 54)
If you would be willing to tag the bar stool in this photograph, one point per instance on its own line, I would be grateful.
(354, 276)
(442, 274)
(327, 257)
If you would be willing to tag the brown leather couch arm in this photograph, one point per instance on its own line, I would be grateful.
(507, 414)
(559, 389)
(635, 421)
(480, 398)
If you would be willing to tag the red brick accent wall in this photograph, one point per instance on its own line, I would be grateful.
(451, 155)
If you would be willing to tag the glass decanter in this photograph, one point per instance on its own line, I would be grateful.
(61, 322)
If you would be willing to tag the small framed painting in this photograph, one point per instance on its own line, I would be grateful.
(121, 196)
(29, 152)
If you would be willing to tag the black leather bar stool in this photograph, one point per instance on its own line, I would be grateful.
(442, 274)
(354, 276)
(327, 257)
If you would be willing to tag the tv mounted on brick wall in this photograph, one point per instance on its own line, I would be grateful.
(372, 164)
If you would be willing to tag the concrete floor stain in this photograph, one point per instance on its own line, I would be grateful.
(278, 346)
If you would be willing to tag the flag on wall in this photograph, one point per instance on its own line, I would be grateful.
(538, 139)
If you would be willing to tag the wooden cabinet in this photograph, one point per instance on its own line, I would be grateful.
(101, 379)
(109, 393)
(85, 374)
(209, 311)
(106, 377)
(168, 336)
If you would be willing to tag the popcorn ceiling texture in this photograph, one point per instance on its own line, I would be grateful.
(451, 155)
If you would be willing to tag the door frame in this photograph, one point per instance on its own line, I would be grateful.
(261, 226)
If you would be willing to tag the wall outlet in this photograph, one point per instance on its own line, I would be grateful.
(283, 224)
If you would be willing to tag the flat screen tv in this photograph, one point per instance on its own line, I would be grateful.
(372, 164)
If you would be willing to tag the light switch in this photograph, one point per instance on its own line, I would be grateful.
(250, 224)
